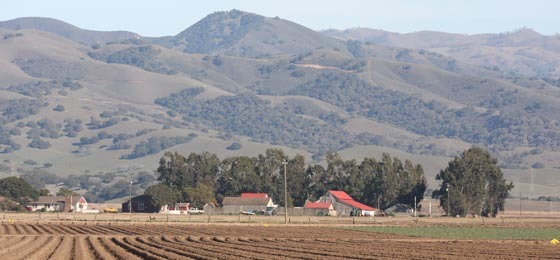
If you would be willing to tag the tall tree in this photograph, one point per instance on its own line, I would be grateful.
(161, 194)
(474, 184)
(298, 181)
(17, 189)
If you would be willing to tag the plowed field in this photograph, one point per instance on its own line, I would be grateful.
(176, 241)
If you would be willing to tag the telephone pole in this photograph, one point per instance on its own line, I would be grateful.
(130, 199)
(285, 194)
(448, 208)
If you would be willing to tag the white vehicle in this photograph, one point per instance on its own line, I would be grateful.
(248, 212)
(195, 211)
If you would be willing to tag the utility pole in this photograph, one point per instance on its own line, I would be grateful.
(448, 208)
(285, 193)
(520, 203)
(415, 207)
(130, 199)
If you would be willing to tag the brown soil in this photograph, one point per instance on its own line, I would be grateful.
(175, 241)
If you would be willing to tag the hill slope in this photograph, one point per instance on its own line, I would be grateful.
(238, 77)
(523, 52)
(66, 30)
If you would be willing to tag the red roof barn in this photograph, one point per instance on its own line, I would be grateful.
(345, 205)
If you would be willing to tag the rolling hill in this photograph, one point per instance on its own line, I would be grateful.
(115, 104)
(66, 30)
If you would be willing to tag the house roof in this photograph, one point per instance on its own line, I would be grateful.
(254, 195)
(239, 201)
(344, 198)
(317, 205)
(355, 204)
(49, 200)
(82, 200)
(341, 195)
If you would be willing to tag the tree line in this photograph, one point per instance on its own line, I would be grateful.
(202, 178)
(474, 181)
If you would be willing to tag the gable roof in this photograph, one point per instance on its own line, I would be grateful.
(82, 200)
(254, 195)
(49, 200)
(317, 205)
(341, 195)
(239, 201)
(344, 198)
(358, 205)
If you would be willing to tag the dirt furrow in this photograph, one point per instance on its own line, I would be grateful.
(81, 248)
(286, 247)
(64, 249)
(194, 253)
(13, 244)
(10, 229)
(141, 252)
(117, 251)
(4, 230)
(182, 241)
(40, 248)
(98, 250)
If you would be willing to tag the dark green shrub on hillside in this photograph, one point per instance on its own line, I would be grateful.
(297, 74)
(39, 144)
(29, 162)
(154, 145)
(72, 127)
(144, 57)
(17, 109)
(538, 165)
(246, 114)
(59, 108)
(234, 146)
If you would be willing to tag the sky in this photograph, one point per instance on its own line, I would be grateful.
(169, 17)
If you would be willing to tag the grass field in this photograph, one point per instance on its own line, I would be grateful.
(540, 233)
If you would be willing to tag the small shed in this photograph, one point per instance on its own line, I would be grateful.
(51, 204)
(319, 209)
(140, 204)
(236, 205)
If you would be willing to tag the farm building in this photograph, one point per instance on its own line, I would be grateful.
(254, 195)
(51, 204)
(319, 209)
(6, 204)
(140, 204)
(178, 208)
(82, 206)
(247, 203)
(346, 205)
(400, 209)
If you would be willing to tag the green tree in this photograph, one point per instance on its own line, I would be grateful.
(17, 189)
(474, 184)
(199, 196)
(161, 194)
(66, 192)
(298, 181)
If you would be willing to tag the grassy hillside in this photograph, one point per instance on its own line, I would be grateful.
(66, 30)
(523, 52)
(262, 82)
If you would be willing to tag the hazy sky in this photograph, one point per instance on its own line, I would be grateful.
(169, 17)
